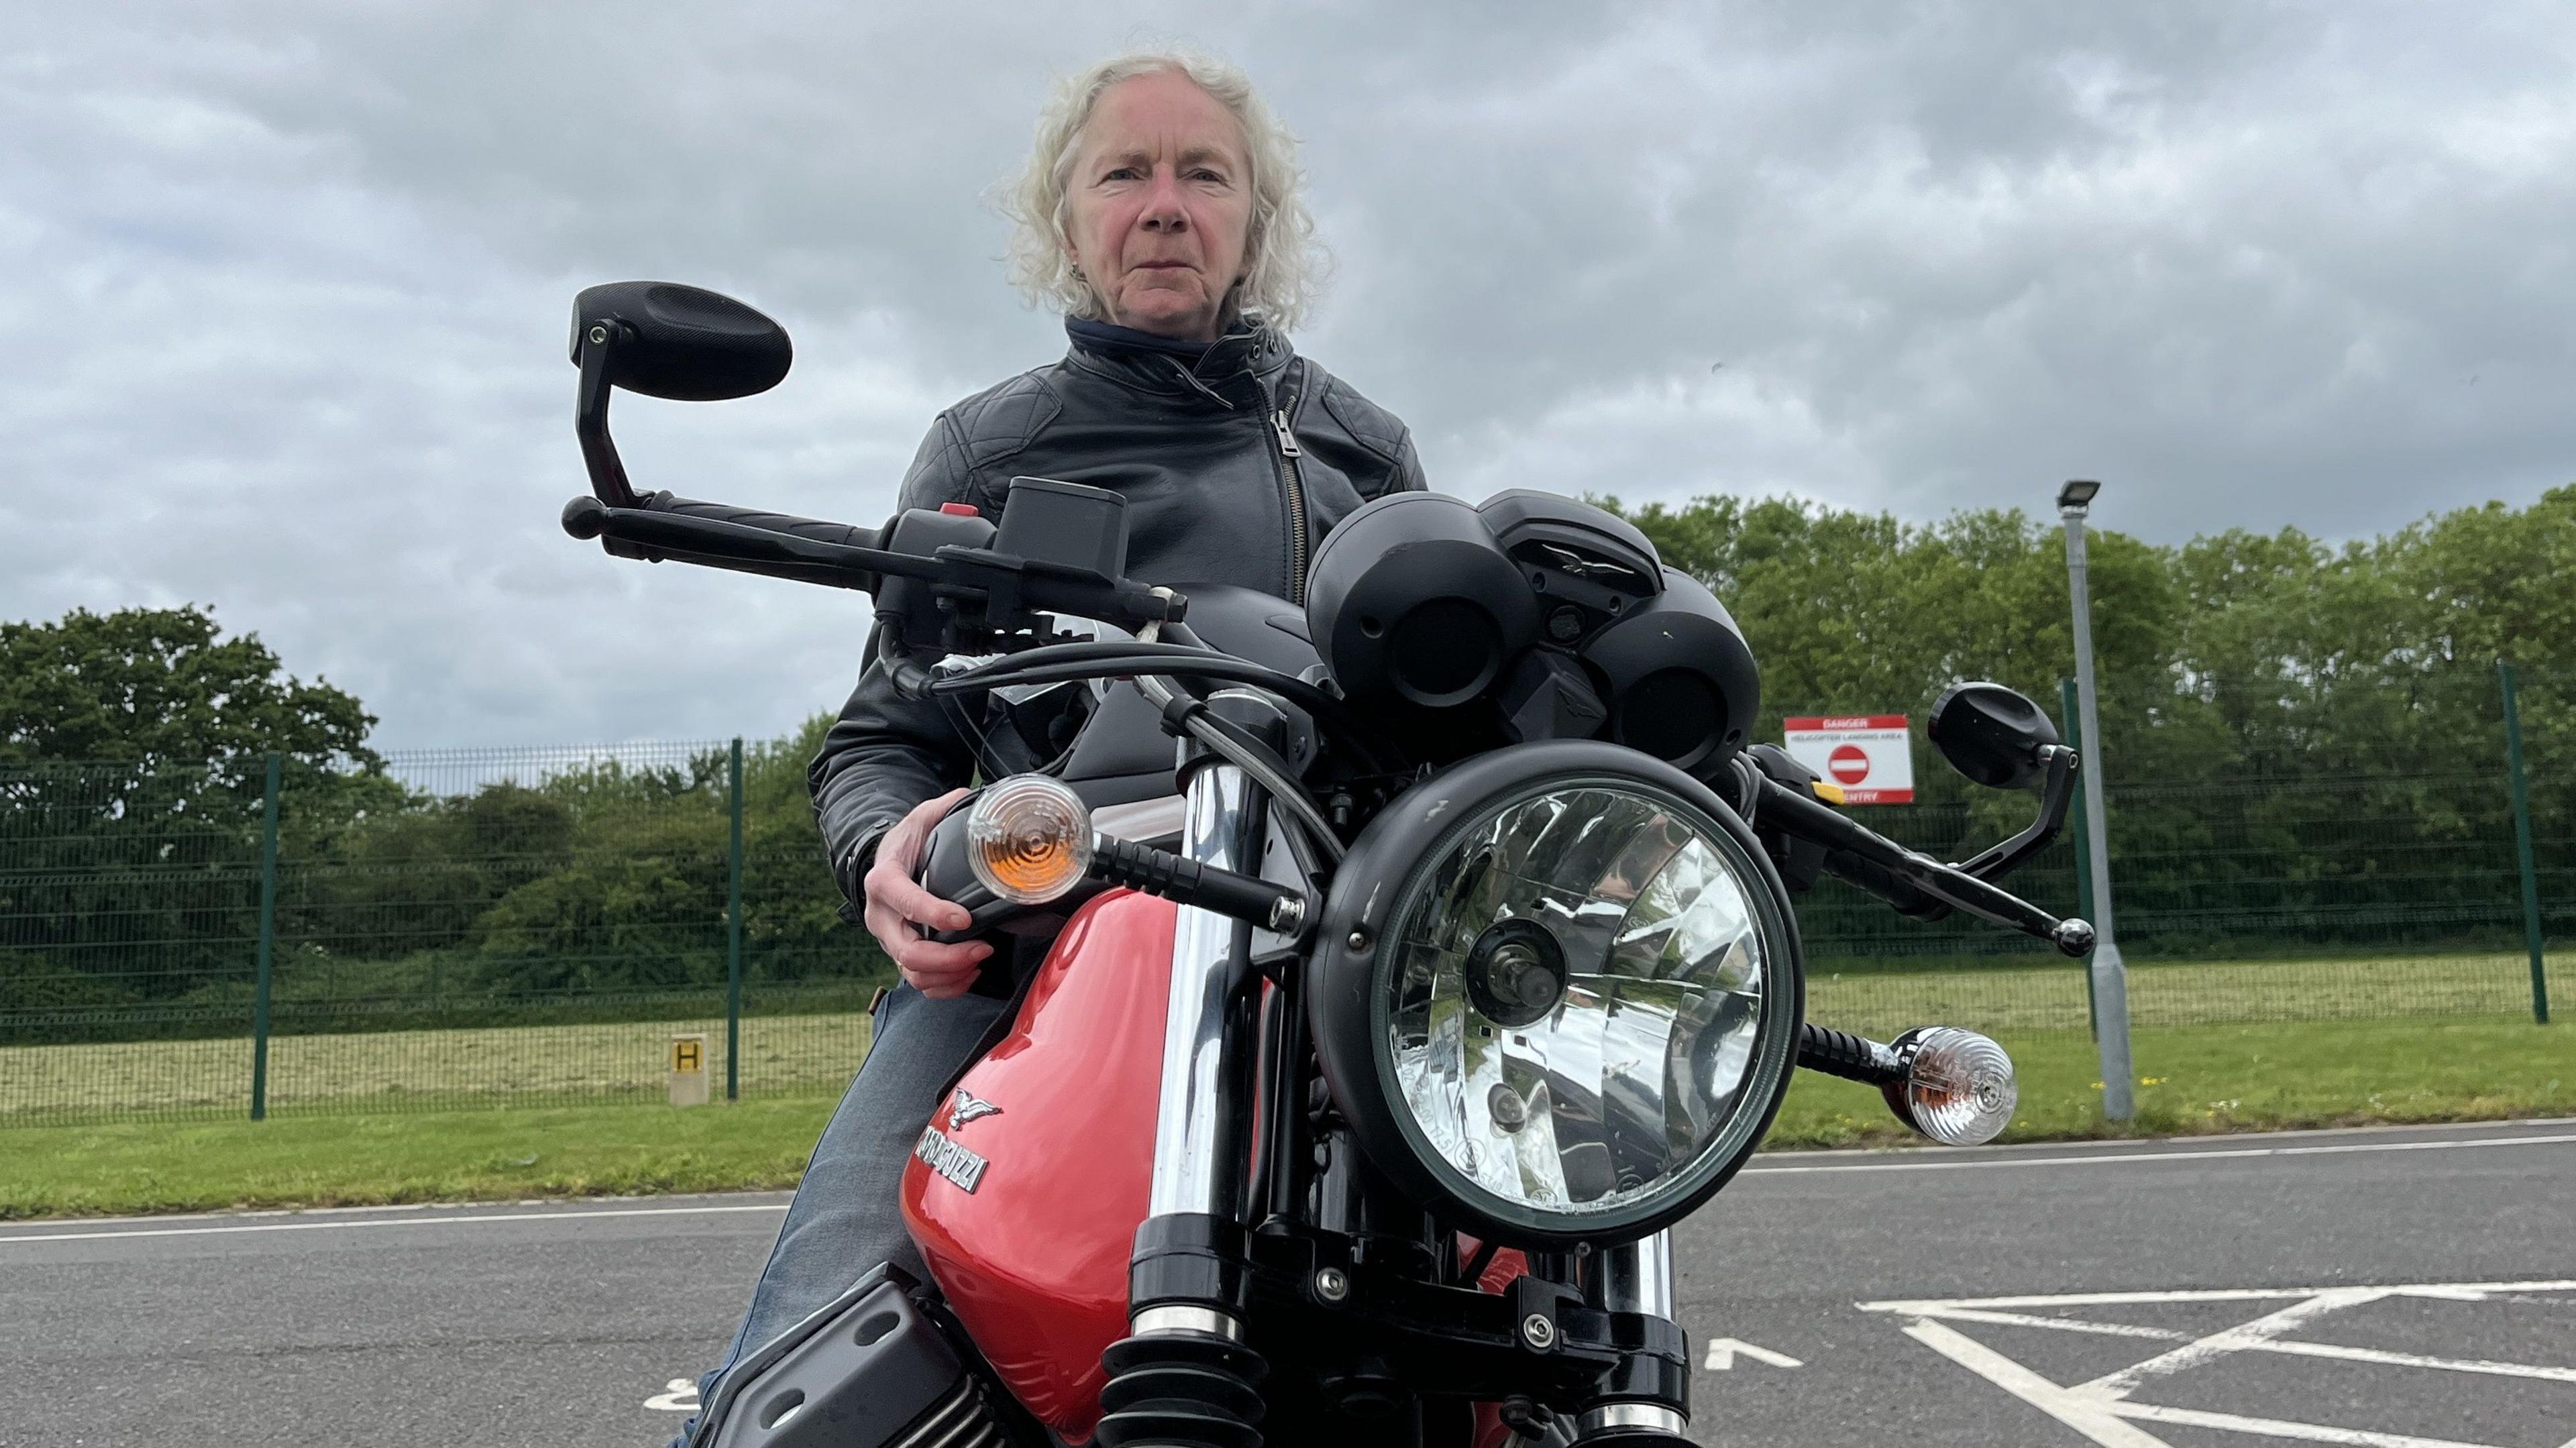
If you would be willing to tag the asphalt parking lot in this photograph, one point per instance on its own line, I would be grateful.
(2404, 1289)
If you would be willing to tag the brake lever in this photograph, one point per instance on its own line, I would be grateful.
(1808, 818)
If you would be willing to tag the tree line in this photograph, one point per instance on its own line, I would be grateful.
(2300, 737)
(2304, 741)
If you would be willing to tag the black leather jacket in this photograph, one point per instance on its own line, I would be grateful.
(1233, 470)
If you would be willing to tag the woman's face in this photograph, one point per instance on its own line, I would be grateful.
(1159, 204)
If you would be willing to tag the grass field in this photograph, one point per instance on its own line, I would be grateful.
(815, 1054)
(2192, 1079)
(2051, 997)
(412, 1070)
(2254, 1077)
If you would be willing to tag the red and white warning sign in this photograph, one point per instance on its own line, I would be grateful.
(1870, 755)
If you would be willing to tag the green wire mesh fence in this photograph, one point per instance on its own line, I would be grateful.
(468, 927)
(472, 927)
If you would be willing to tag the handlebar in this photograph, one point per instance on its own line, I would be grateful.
(840, 555)
(817, 530)
(717, 535)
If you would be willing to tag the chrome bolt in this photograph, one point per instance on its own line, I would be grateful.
(1539, 1331)
(599, 333)
(1359, 940)
(1331, 1285)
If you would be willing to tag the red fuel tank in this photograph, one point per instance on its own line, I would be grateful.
(1025, 1192)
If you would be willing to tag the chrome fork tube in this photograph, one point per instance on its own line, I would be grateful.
(1184, 1373)
(1195, 1123)
(1638, 1277)
(1648, 1394)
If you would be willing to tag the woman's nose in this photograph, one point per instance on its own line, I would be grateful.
(1163, 210)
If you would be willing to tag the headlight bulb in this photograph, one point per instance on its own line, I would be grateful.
(1029, 838)
(1516, 972)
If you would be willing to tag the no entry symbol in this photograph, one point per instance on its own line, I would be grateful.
(1866, 756)
(1848, 764)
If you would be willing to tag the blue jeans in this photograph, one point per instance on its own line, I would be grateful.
(848, 1215)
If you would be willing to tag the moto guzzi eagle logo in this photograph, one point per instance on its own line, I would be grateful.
(963, 1169)
(966, 1106)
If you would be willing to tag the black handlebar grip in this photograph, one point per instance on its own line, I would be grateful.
(1174, 877)
(1853, 1058)
(814, 529)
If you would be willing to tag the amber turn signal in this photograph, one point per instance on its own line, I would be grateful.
(1029, 838)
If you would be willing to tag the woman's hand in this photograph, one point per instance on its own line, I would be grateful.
(895, 905)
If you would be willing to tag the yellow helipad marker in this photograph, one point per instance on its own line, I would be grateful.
(689, 1069)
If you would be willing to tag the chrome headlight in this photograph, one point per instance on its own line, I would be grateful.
(1557, 995)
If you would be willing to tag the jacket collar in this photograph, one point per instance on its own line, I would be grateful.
(1160, 364)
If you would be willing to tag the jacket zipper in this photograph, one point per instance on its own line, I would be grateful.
(1293, 487)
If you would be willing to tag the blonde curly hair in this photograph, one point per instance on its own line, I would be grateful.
(1286, 261)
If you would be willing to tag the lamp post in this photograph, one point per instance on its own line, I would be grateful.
(2110, 977)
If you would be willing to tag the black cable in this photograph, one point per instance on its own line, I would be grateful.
(1060, 662)
(1237, 746)
(1474, 1271)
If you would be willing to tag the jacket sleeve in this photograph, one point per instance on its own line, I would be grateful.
(886, 753)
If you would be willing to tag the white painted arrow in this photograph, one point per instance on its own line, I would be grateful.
(1722, 1351)
(679, 1395)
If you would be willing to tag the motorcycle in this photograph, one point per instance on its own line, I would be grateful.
(1415, 958)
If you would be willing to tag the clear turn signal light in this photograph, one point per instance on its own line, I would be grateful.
(1029, 838)
(1958, 1087)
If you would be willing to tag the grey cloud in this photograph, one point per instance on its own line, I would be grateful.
(294, 279)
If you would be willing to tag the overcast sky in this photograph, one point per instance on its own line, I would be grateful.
(287, 285)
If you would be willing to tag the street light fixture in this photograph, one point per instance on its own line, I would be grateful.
(2110, 976)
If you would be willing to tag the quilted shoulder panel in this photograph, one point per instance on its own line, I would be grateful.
(1372, 426)
(1003, 420)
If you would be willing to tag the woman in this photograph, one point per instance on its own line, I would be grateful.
(1160, 212)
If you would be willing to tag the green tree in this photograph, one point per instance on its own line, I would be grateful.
(158, 686)
(1862, 612)
(2312, 732)
(133, 752)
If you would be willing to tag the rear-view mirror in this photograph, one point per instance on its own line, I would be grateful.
(1991, 734)
(684, 343)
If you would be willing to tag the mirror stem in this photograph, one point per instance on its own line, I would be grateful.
(2062, 764)
(590, 417)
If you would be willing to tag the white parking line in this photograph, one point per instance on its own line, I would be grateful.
(1988, 1163)
(2103, 1410)
(2453, 1291)
(354, 1226)
(2244, 1335)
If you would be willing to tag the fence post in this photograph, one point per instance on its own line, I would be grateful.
(267, 943)
(733, 928)
(2522, 847)
(2083, 842)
